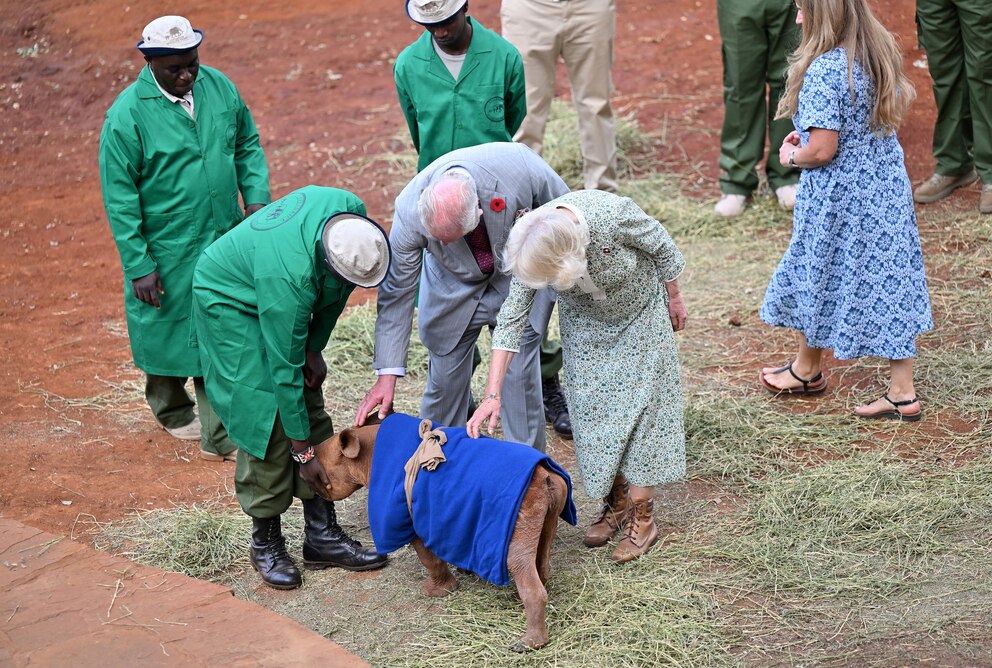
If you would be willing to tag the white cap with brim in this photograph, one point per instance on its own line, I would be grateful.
(167, 35)
(356, 248)
(427, 12)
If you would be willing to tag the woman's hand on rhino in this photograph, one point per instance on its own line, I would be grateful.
(487, 410)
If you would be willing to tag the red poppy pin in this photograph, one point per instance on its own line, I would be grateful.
(607, 250)
(498, 204)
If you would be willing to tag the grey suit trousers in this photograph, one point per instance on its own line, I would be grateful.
(449, 377)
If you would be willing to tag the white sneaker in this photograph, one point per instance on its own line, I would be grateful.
(190, 432)
(730, 206)
(786, 197)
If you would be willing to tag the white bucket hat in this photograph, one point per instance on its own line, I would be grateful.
(167, 35)
(427, 12)
(356, 248)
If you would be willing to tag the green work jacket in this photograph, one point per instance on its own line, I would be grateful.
(487, 103)
(170, 188)
(263, 296)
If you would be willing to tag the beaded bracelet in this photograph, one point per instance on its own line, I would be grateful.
(303, 457)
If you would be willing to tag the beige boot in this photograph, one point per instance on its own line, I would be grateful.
(641, 532)
(938, 186)
(985, 204)
(611, 516)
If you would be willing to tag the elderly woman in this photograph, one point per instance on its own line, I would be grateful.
(615, 270)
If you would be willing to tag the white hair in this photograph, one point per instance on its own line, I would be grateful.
(450, 204)
(547, 247)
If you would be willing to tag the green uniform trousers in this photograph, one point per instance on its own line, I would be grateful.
(957, 36)
(757, 38)
(266, 487)
(550, 358)
(173, 407)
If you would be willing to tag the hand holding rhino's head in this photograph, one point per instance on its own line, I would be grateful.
(347, 460)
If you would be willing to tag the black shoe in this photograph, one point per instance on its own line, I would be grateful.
(556, 408)
(269, 556)
(325, 544)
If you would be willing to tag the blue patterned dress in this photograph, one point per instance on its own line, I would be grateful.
(852, 278)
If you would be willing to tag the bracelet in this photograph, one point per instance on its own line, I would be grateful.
(792, 159)
(493, 396)
(303, 457)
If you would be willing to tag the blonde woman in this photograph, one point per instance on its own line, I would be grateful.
(852, 278)
(615, 270)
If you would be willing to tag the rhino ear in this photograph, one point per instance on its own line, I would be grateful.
(373, 418)
(350, 445)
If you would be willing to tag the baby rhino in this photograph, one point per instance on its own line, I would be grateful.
(483, 505)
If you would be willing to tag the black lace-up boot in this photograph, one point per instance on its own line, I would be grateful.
(325, 544)
(269, 556)
(556, 408)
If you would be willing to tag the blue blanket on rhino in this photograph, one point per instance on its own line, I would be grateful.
(465, 510)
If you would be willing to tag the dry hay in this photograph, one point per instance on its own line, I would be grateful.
(838, 534)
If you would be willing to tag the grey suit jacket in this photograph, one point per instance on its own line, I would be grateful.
(451, 283)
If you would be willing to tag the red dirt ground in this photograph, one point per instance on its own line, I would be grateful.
(61, 310)
(78, 607)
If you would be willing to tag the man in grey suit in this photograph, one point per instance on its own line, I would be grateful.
(463, 283)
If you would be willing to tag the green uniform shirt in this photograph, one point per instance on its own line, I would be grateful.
(170, 188)
(487, 103)
(263, 297)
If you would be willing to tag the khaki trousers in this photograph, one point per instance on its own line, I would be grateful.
(580, 32)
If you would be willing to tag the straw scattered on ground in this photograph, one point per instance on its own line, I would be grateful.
(802, 537)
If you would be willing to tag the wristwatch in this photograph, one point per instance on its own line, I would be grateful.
(792, 159)
(303, 457)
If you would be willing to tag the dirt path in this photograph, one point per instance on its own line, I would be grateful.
(65, 604)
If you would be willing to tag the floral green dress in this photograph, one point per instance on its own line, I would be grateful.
(621, 366)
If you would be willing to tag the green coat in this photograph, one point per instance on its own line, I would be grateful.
(170, 188)
(486, 104)
(254, 291)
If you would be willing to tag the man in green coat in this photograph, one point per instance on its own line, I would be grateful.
(266, 297)
(957, 36)
(177, 146)
(460, 84)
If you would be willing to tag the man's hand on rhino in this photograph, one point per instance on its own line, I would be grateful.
(381, 394)
(487, 410)
(313, 474)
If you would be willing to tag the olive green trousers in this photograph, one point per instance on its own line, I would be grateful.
(757, 37)
(957, 36)
(266, 487)
(173, 407)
